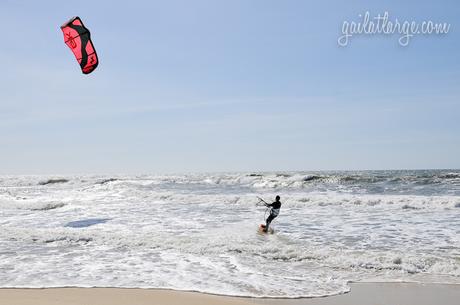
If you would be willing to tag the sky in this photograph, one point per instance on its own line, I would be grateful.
(212, 86)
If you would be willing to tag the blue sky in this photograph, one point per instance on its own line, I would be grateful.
(195, 86)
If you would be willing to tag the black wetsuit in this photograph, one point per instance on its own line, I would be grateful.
(274, 212)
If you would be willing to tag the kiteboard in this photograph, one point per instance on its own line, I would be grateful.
(262, 230)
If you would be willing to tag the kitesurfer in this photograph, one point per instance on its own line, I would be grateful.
(274, 212)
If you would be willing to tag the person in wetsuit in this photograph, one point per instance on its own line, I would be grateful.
(274, 211)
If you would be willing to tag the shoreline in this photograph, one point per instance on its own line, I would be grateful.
(383, 293)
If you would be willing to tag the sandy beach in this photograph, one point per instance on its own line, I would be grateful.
(361, 293)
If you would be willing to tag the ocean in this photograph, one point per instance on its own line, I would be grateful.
(199, 232)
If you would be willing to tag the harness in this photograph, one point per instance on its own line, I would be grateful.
(275, 212)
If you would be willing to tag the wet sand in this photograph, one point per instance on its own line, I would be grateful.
(361, 293)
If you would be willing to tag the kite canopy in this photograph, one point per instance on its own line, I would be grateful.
(78, 38)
